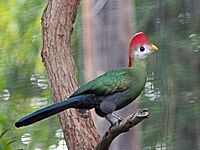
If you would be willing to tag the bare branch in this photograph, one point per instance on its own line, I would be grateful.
(121, 127)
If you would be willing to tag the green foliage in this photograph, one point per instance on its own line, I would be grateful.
(4, 142)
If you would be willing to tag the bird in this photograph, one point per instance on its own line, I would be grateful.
(110, 91)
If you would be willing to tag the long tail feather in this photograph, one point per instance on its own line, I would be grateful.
(72, 102)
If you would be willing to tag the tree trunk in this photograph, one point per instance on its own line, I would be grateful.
(57, 21)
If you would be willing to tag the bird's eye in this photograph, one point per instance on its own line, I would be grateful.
(142, 49)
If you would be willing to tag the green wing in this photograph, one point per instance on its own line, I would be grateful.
(108, 83)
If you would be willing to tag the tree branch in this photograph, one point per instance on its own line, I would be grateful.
(57, 25)
(121, 127)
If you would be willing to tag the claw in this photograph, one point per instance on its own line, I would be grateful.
(113, 118)
(116, 116)
(115, 123)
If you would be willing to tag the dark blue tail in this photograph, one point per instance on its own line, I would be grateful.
(72, 102)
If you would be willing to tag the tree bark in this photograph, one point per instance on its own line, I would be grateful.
(57, 20)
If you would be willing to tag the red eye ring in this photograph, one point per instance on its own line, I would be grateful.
(142, 49)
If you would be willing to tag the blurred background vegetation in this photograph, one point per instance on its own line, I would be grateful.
(172, 91)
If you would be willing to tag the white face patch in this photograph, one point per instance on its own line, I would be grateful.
(142, 52)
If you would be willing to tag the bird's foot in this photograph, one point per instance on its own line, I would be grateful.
(114, 119)
(119, 118)
(115, 123)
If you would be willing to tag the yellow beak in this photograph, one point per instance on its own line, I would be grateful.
(154, 48)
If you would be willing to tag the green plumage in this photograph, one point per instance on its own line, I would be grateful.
(129, 80)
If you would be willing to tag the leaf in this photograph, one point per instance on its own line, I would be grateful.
(3, 133)
(9, 143)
